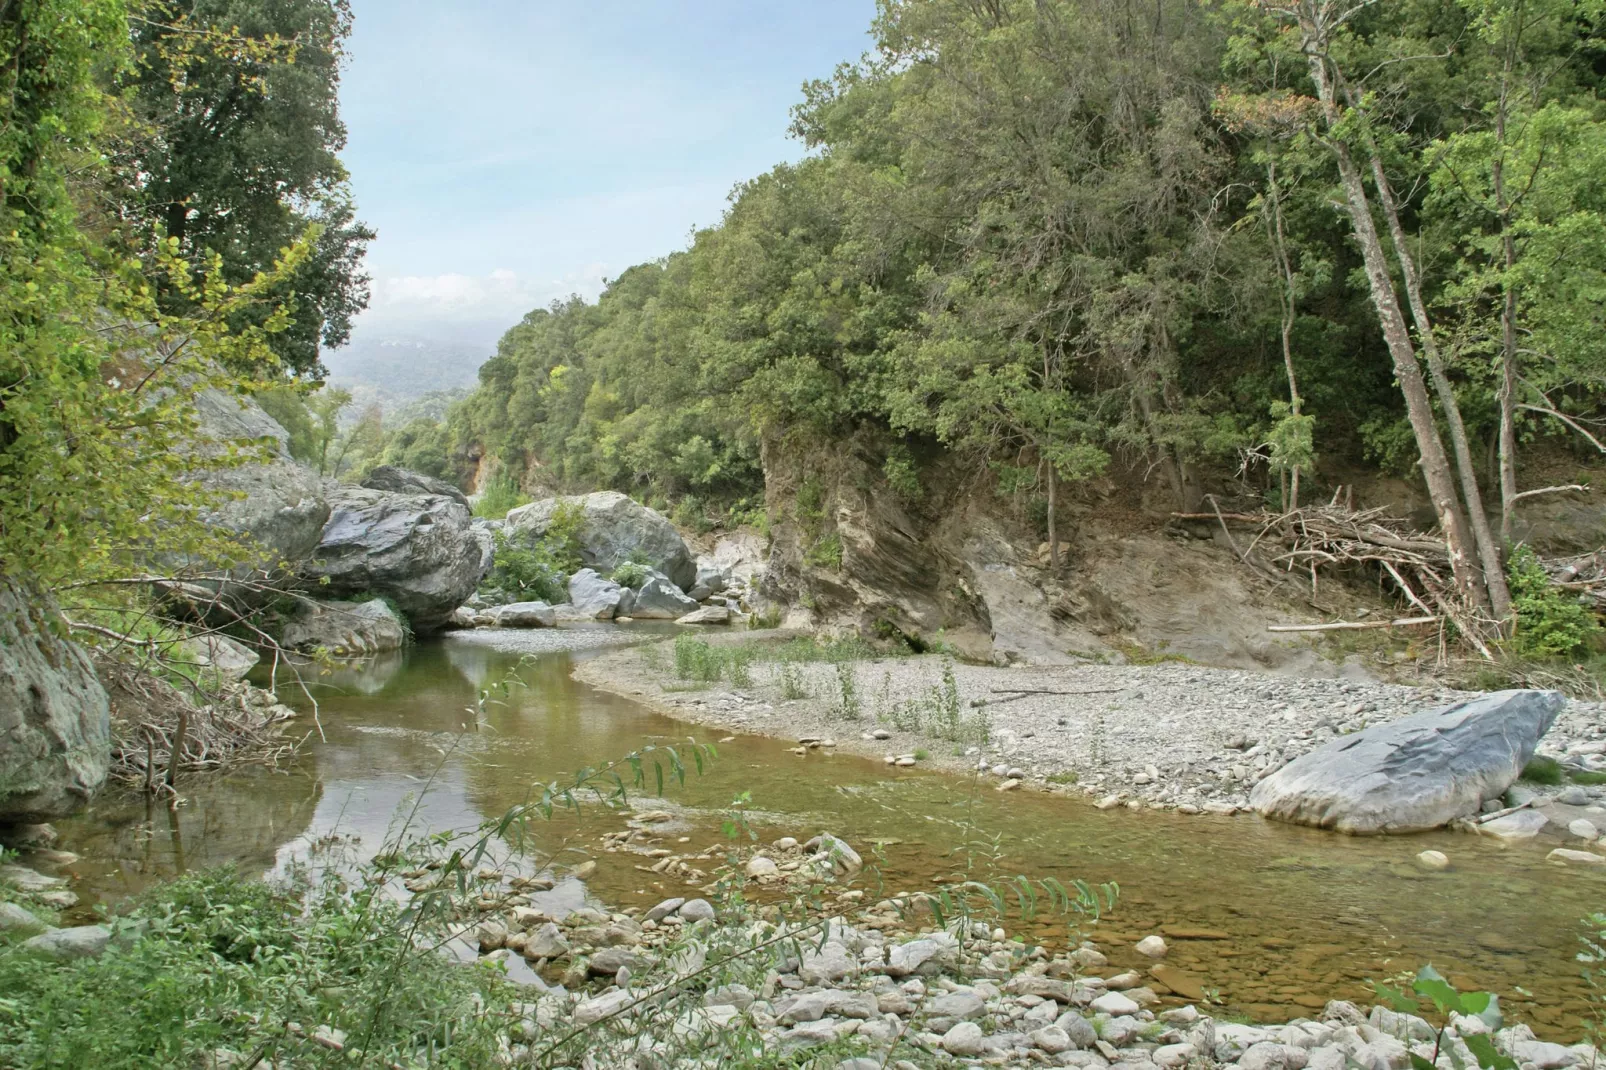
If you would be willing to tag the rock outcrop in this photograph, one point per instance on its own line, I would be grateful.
(388, 477)
(277, 505)
(55, 727)
(345, 629)
(418, 550)
(1417, 773)
(613, 529)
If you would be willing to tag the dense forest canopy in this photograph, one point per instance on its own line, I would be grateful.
(1061, 235)
(176, 219)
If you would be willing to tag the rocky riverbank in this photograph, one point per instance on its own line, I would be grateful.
(1171, 736)
(796, 960)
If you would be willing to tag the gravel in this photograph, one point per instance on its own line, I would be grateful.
(1174, 736)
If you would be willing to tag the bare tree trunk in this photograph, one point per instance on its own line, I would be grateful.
(1279, 241)
(1494, 574)
(1508, 327)
(1053, 507)
(1435, 464)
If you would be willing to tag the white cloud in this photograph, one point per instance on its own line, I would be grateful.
(402, 303)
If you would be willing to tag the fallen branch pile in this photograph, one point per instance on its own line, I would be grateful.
(1584, 574)
(158, 732)
(1414, 565)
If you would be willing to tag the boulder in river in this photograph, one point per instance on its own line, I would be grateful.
(593, 597)
(660, 599)
(345, 629)
(613, 529)
(526, 615)
(55, 720)
(1419, 772)
(417, 550)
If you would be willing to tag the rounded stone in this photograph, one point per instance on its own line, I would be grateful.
(1151, 946)
(1433, 860)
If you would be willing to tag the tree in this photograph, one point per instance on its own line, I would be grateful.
(234, 151)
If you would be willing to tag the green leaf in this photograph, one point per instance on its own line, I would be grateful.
(1489, 1057)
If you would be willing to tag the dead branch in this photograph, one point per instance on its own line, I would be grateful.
(1353, 626)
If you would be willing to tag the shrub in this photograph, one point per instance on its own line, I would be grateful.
(826, 553)
(501, 494)
(1550, 623)
(1542, 771)
(846, 706)
(792, 685)
(631, 574)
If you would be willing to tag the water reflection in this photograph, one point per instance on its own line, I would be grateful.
(1276, 918)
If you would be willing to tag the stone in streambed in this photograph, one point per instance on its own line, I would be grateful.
(1515, 828)
(526, 615)
(593, 597)
(707, 615)
(660, 599)
(1417, 773)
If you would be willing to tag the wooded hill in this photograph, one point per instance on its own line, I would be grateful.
(1072, 237)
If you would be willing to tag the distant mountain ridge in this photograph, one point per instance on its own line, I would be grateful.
(391, 372)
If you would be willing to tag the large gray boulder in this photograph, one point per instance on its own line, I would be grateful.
(417, 550)
(55, 721)
(345, 629)
(593, 597)
(405, 481)
(613, 529)
(659, 599)
(1417, 773)
(525, 615)
(277, 505)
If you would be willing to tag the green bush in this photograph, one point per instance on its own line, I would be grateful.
(1550, 622)
(227, 961)
(501, 494)
(826, 553)
(631, 574)
(700, 661)
(1542, 771)
(538, 569)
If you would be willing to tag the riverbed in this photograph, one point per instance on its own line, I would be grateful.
(1276, 919)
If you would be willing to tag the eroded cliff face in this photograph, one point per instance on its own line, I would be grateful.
(846, 551)
(961, 565)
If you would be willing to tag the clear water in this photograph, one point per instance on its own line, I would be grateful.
(1307, 915)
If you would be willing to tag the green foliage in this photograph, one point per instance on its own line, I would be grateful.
(845, 705)
(792, 685)
(825, 553)
(702, 662)
(1542, 770)
(631, 574)
(1431, 986)
(231, 150)
(227, 960)
(527, 571)
(500, 494)
(1550, 623)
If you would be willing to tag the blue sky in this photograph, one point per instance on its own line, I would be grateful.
(513, 152)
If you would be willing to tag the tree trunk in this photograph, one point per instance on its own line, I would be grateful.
(1279, 242)
(1494, 574)
(1053, 507)
(1435, 464)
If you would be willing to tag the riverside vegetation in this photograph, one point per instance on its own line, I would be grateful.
(1048, 242)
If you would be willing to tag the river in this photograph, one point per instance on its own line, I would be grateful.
(1282, 918)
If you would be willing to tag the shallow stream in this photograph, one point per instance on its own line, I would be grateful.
(1273, 919)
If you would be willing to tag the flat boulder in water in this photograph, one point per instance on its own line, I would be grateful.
(1419, 772)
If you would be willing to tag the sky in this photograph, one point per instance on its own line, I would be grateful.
(510, 152)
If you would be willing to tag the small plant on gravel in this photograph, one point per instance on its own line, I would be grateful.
(792, 685)
(921, 754)
(1542, 771)
(696, 659)
(738, 662)
(846, 706)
